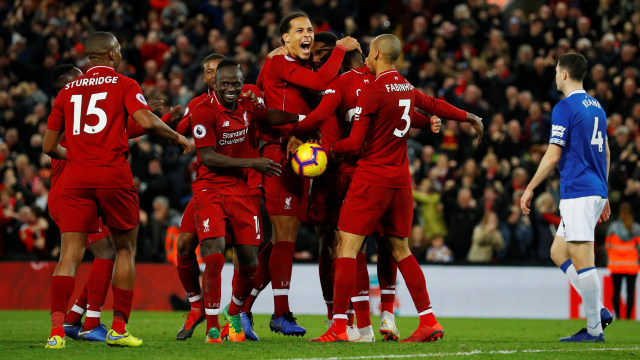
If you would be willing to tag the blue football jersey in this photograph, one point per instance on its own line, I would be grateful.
(579, 125)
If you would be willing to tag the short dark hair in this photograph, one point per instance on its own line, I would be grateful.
(214, 56)
(575, 64)
(227, 62)
(58, 80)
(328, 38)
(285, 24)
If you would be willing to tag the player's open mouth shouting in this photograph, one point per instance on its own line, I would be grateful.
(305, 48)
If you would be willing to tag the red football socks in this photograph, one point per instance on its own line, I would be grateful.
(122, 300)
(325, 269)
(360, 297)
(97, 288)
(387, 273)
(262, 277)
(61, 290)
(211, 282)
(242, 288)
(280, 265)
(74, 316)
(414, 278)
(343, 285)
(189, 274)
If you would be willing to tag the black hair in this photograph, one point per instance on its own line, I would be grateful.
(227, 62)
(58, 74)
(575, 64)
(214, 56)
(328, 38)
(285, 24)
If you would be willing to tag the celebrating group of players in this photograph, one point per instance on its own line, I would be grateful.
(306, 90)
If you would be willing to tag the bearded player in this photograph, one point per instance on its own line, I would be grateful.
(285, 81)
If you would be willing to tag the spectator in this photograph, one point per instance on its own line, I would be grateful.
(431, 208)
(438, 252)
(155, 230)
(463, 216)
(486, 239)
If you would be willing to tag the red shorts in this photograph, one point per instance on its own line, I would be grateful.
(239, 214)
(188, 224)
(55, 205)
(287, 194)
(366, 206)
(81, 207)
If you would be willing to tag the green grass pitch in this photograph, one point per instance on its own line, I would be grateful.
(23, 335)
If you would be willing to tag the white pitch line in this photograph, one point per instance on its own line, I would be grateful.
(462, 353)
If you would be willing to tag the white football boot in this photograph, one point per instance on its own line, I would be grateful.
(388, 328)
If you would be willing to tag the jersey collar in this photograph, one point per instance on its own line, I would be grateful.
(581, 91)
(100, 67)
(386, 72)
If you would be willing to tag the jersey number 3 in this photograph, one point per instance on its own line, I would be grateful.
(596, 138)
(406, 104)
(91, 110)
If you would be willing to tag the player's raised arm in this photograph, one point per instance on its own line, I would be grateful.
(445, 110)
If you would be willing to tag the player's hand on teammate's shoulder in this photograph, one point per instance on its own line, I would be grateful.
(282, 50)
(349, 43)
(476, 123)
(267, 166)
(436, 124)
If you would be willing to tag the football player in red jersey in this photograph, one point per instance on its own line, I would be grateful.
(188, 269)
(91, 110)
(381, 191)
(333, 118)
(285, 81)
(223, 197)
(99, 244)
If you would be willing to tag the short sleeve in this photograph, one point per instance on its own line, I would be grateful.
(203, 127)
(560, 118)
(133, 98)
(56, 118)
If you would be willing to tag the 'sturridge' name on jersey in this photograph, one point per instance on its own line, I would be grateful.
(398, 87)
(233, 137)
(92, 82)
(591, 102)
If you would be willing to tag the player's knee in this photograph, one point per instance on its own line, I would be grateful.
(400, 250)
(212, 246)
(247, 255)
(185, 245)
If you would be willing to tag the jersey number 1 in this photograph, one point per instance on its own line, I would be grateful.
(91, 110)
(596, 138)
(406, 104)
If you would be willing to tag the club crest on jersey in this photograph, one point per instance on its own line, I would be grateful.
(199, 131)
(205, 224)
(246, 121)
(141, 98)
(287, 203)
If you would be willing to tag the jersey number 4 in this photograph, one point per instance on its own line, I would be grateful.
(596, 138)
(406, 104)
(91, 110)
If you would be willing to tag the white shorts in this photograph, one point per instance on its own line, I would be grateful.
(579, 217)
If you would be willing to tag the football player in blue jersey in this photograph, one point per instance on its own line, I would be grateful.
(579, 146)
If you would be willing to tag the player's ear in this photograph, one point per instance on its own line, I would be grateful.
(285, 38)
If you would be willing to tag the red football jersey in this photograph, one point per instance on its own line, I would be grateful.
(184, 126)
(214, 125)
(383, 118)
(286, 82)
(92, 110)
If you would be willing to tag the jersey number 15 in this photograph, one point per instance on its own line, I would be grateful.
(91, 110)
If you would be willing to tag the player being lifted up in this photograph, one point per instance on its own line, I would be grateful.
(380, 191)
(99, 244)
(91, 110)
(580, 148)
(284, 81)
